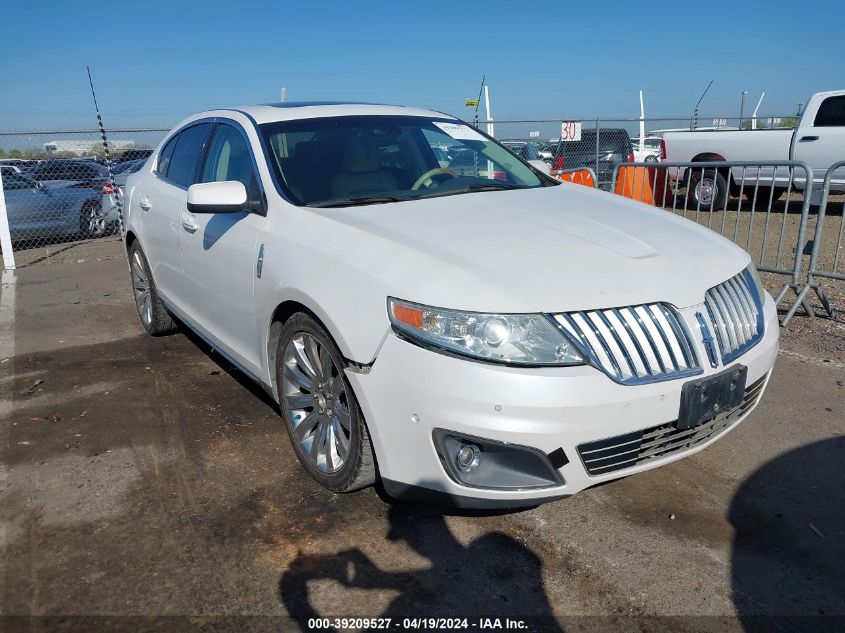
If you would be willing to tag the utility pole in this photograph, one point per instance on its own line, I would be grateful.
(695, 111)
(741, 106)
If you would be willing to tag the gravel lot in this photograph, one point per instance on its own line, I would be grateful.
(146, 477)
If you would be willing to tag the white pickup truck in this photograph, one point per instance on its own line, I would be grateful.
(818, 140)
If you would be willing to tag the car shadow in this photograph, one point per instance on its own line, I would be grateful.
(789, 545)
(228, 368)
(492, 576)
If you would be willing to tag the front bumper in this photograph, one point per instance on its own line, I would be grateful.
(409, 392)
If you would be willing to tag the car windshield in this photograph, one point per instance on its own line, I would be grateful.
(355, 160)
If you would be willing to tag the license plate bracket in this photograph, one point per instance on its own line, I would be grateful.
(705, 398)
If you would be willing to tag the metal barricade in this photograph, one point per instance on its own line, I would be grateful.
(759, 205)
(826, 251)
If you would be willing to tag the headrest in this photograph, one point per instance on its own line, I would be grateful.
(360, 158)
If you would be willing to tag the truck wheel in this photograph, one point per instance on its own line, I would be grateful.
(707, 190)
(322, 415)
(154, 316)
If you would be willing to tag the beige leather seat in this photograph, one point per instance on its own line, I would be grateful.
(361, 173)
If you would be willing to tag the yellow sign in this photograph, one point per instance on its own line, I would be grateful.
(472, 103)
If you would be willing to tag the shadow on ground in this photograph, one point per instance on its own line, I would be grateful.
(493, 576)
(789, 548)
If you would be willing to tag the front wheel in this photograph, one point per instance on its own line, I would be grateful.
(323, 418)
(707, 190)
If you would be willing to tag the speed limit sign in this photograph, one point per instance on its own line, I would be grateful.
(570, 130)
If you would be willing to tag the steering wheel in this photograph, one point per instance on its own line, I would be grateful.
(427, 178)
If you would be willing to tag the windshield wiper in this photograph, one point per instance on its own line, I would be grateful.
(355, 201)
(473, 188)
(492, 186)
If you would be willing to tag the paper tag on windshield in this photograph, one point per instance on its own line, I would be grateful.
(459, 131)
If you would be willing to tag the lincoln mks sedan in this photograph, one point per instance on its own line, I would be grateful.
(436, 314)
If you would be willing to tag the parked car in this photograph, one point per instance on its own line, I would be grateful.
(39, 212)
(114, 193)
(613, 148)
(524, 149)
(65, 172)
(129, 155)
(818, 140)
(440, 324)
(652, 150)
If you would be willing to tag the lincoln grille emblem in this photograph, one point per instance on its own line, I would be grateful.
(707, 339)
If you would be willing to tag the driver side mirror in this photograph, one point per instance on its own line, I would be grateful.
(220, 197)
(540, 165)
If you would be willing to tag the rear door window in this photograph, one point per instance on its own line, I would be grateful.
(166, 155)
(188, 151)
(831, 113)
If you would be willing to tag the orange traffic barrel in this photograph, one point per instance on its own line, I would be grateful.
(635, 183)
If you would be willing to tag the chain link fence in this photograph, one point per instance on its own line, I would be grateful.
(604, 144)
(60, 186)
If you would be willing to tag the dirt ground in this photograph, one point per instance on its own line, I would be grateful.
(146, 485)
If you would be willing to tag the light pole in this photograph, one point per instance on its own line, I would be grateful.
(741, 106)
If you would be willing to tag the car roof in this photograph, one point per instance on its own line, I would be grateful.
(292, 110)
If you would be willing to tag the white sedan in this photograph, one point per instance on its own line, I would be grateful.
(477, 333)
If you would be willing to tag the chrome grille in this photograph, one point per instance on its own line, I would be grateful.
(635, 344)
(624, 451)
(736, 314)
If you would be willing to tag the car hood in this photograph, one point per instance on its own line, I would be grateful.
(551, 249)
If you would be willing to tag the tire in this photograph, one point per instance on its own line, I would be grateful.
(315, 398)
(92, 221)
(651, 158)
(151, 311)
(763, 194)
(707, 190)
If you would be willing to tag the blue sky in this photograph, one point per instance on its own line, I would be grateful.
(154, 62)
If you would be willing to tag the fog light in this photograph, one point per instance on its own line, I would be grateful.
(479, 462)
(467, 458)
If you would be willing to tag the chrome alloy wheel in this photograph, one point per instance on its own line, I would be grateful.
(141, 288)
(316, 403)
(95, 220)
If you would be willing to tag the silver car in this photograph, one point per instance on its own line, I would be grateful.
(39, 212)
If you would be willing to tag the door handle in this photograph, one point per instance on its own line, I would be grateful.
(188, 222)
(808, 139)
(145, 203)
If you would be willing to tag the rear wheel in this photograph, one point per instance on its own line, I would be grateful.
(707, 190)
(323, 419)
(154, 316)
(92, 221)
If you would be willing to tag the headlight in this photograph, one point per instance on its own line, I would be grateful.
(521, 339)
(753, 278)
